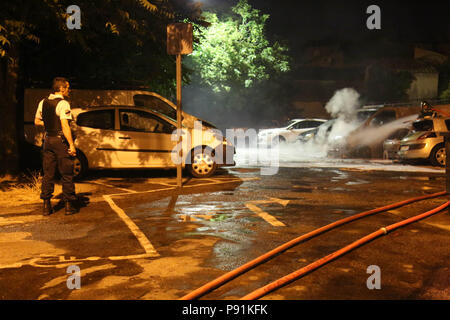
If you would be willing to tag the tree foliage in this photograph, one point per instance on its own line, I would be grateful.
(121, 43)
(234, 52)
(387, 84)
(119, 40)
(239, 76)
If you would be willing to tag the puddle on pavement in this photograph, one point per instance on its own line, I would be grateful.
(338, 190)
(352, 183)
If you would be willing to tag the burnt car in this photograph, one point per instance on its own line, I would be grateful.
(391, 145)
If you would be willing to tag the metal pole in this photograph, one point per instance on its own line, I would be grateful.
(447, 162)
(179, 126)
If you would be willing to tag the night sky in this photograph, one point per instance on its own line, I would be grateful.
(325, 21)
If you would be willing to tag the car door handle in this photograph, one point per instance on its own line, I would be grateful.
(124, 138)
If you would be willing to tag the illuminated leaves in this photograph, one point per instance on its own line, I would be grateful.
(234, 52)
(148, 5)
(112, 28)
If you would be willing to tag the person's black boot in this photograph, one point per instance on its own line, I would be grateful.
(47, 209)
(70, 209)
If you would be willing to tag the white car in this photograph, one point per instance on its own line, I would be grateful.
(125, 137)
(136, 137)
(118, 135)
(288, 133)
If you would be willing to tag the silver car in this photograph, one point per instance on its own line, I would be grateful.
(391, 145)
(426, 141)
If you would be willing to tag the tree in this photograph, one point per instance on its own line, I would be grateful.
(232, 59)
(120, 42)
(386, 84)
(444, 80)
(446, 93)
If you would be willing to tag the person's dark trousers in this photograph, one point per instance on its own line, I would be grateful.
(56, 157)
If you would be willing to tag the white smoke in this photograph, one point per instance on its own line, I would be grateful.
(344, 103)
(342, 107)
(374, 135)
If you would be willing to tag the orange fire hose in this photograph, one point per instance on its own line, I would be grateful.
(442, 112)
(269, 255)
(258, 293)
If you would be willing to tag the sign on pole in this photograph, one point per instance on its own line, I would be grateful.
(179, 41)
(179, 38)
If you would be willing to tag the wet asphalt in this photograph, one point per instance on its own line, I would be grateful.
(148, 239)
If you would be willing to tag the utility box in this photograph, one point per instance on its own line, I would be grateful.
(179, 38)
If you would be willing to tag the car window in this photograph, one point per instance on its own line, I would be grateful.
(300, 125)
(447, 123)
(363, 115)
(399, 134)
(99, 119)
(314, 123)
(156, 104)
(288, 124)
(141, 121)
(306, 124)
(423, 125)
(383, 117)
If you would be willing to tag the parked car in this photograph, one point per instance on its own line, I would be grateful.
(135, 137)
(391, 145)
(426, 141)
(118, 135)
(321, 133)
(287, 133)
(366, 141)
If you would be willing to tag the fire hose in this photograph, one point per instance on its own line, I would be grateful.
(258, 293)
(271, 254)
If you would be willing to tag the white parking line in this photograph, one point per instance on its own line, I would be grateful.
(145, 243)
(112, 186)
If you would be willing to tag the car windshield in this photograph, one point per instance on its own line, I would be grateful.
(156, 104)
(423, 125)
(290, 122)
(363, 115)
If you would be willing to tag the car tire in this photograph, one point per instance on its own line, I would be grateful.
(438, 156)
(80, 165)
(203, 163)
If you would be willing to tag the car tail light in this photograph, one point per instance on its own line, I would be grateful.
(427, 135)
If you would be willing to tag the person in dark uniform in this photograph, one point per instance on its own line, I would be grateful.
(58, 151)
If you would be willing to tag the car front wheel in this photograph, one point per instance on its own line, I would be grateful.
(202, 163)
(438, 156)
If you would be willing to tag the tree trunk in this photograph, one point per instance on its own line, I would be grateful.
(9, 152)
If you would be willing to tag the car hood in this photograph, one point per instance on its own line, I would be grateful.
(413, 136)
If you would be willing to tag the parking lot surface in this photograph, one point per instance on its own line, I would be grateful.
(137, 236)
